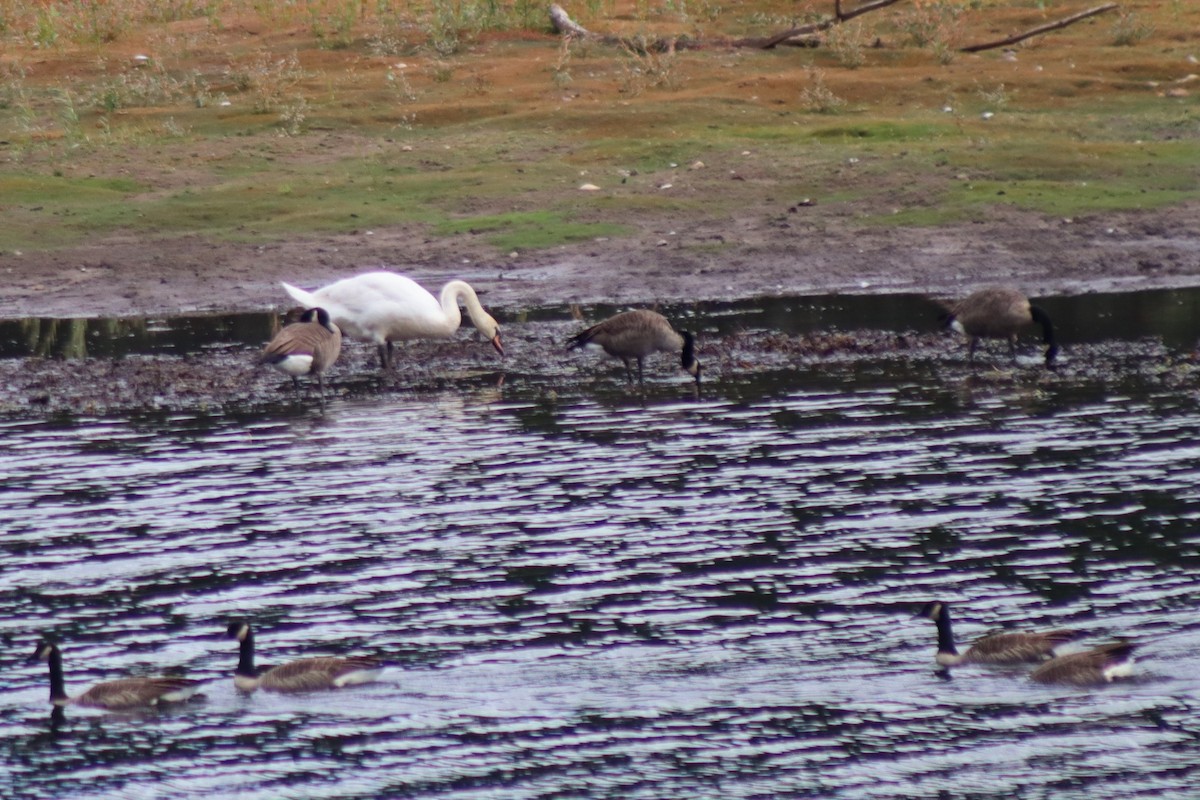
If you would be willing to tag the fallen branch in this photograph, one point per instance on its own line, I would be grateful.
(566, 26)
(801, 35)
(810, 28)
(563, 24)
(865, 8)
(780, 38)
(1052, 26)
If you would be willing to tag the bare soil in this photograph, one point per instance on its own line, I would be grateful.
(760, 256)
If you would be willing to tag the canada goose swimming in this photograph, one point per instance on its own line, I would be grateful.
(301, 675)
(307, 347)
(384, 307)
(1094, 667)
(637, 334)
(999, 313)
(999, 648)
(121, 694)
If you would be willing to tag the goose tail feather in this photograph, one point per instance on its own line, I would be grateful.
(306, 299)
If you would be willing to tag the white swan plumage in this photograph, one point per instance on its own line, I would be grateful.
(384, 307)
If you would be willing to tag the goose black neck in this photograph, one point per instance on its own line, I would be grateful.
(246, 656)
(1043, 319)
(945, 634)
(58, 688)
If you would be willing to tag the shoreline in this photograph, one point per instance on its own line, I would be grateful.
(1124, 251)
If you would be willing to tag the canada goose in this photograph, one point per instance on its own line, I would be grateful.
(384, 307)
(307, 347)
(998, 648)
(301, 675)
(637, 334)
(121, 694)
(998, 313)
(1094, 667)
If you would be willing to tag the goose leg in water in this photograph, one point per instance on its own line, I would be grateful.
(387, 355)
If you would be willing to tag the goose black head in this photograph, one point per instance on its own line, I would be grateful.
(688, 356)
(319, 316)
(238, 629)
(933, 610)
(43, 652)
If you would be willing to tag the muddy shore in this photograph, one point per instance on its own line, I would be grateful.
(1120, 252)
(805, 254)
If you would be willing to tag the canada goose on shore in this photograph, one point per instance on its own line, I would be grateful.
(307, 347)
(301, 675)
(383, 307)
(637, 334)
(999, 313)
(1094, 667)
(998, 648)
(117, 695)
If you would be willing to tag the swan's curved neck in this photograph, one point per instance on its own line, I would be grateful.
(452, 292)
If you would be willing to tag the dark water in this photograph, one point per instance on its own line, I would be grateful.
(590, 595)
(1170, 314)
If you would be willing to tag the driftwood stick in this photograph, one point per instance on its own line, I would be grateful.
(865, 8)
(813, 27)
(568, 27)
(564, 24)
(771, 41)
(1052, 26)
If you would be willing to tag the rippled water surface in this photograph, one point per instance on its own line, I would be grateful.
(595, 594)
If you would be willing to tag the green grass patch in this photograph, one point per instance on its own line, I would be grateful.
(1168, 164)
(51, 190)
(883, 131)
(928, 216)
(1059, 198)
(641, 154)
(42, 212)
(1056, 176)
(282, 204)
(969, 200)
(258, 197)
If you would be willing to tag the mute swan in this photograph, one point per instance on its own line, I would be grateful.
(384, 307)
(302, 675)
(998, 313)
(1090, 668)
(124, 693)
(999, 648)
(637, 334)
(306, 347)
